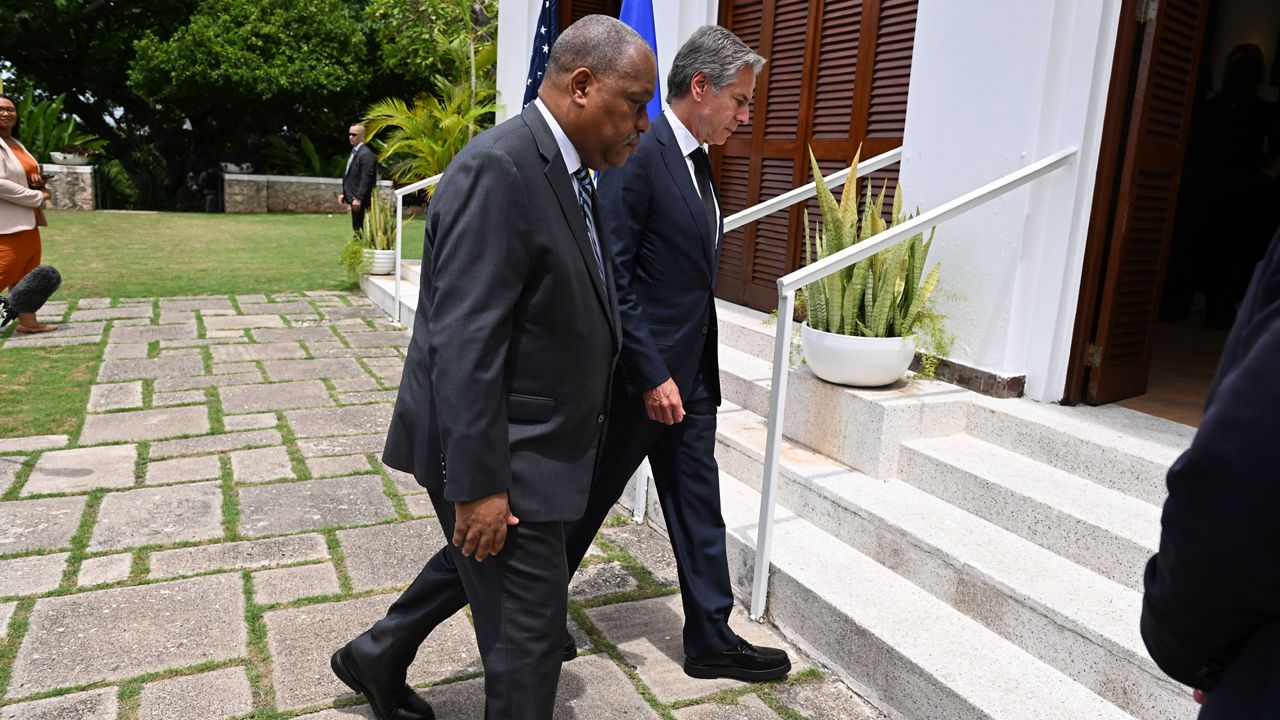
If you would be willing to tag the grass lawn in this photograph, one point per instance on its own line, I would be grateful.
(43, 391)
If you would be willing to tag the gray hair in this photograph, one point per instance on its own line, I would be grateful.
(596, 42)
(715, 51)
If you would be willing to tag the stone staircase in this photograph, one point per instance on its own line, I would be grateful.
(949, 555)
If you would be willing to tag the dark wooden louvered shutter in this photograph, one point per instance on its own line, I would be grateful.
(571, 10)
(823, 88)
(1147, 193)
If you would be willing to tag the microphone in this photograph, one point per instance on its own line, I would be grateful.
(30, 294)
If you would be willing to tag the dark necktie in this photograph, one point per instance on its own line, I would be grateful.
(586, 195)
(702, 173)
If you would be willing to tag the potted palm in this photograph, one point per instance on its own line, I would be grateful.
(863, 321)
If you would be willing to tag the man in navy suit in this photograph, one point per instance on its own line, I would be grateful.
(663, 222)
(1211, 612)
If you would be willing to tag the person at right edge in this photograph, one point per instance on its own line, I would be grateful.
(664, 222)
(1211, 611)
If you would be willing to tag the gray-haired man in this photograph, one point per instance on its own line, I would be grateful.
(663, 220)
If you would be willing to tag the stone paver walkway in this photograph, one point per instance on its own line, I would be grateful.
(221, 522)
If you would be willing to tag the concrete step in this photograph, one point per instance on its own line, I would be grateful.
(1073, 619)
(411, 270)
(747, 330)
(899, 646)
(1118, 448)
(381, 290)
(1106, 531)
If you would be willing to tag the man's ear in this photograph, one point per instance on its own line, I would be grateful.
(581, 83)
(699, 86)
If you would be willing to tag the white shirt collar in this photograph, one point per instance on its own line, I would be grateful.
(685, 139)
(572, 160)
(357, 147)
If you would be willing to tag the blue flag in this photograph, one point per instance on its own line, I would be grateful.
(639, 15)
(543, 38)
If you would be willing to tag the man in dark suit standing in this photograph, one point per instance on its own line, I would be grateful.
(664, 221)
(506, 385)
(1211, 611)
(359, 178)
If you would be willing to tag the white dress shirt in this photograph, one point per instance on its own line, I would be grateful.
(688, 143)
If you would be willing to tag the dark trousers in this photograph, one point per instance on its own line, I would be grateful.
(684, 469)
(1250, 687)
(518, 602)
(357, 216)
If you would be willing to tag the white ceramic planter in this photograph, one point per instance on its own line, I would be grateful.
(68, 158)
(857, 361)
(379, 262)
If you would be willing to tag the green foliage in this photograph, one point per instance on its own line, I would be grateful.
(353, 257)
(885, 295)
(303, 159)
(44, 128)
(410, 34)
(379, 224)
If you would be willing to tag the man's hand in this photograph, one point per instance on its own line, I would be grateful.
(480, 526)
(663, 403)
(355, 203)
(342, 199)
(1199, 696)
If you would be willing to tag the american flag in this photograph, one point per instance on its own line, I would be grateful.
(543, 38)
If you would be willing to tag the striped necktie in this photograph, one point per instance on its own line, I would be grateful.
(586, 195)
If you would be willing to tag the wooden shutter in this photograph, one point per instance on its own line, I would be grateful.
(1147, 193)
(571, 10)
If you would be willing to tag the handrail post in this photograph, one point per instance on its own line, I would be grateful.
(772, 449)
(399, 226)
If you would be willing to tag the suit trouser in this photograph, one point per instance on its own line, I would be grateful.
(1250, 687)
(357, 216)
(684, 469)
(518, 599)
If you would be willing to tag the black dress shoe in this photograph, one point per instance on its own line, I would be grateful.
(741, 662)
(570, 648)
(400, 703)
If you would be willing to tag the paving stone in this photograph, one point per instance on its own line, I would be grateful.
(747, 707)
(181, 470)
(384, 361)
(204, 381)
(355, 384)
(649, 633)
(115, 396)
(18, 340)
(278, 308)
(341, 313)
(600, 580)
(241, 322)
(405, 482)
(339, 421)
(337, 351)
(364, 398)
(79, 469)
(245, 554)
(6, 612)
(302, 639)
(131, 322)
(213, 339)
(826, 700)
(386, 556)
(419, 505)
(241, 299)
(100, 704)
(154, 516)
(176, 317)
(32, 443)
(46, 524)
(124, 351)
(377, 339)
(177, 397)
(124, 632)
(342, 445)
(648, 547)
(171, 367)
(143, 425)
(214, 443)
(232, 368)
(274, 396)
(278, 370)
(390, 376)
(212, 695)
(261, 465)
(228, 336)
(131, 311)
(256, 421)
(287, 584)
(262, 351)
(9, 467)
(142, 334)
(93, 303)
(293, 334)
(188, 352)
(209, 305)
(105, 569)
(32, 575)
(80, 330)
(311, 504)
(340, 465)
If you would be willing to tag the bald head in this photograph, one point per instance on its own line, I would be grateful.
(598, 43)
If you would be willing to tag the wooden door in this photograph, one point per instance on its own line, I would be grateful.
(837, 77)
(1134, 224)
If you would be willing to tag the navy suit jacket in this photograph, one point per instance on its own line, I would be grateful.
(506, 383)
(664, 265)
(1213, 590)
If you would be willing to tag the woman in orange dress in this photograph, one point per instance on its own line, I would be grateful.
(22, 195)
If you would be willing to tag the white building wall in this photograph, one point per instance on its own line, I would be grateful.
(992, 91)
(674, 21)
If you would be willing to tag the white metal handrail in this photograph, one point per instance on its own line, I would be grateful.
(787, 286)
(400, 193)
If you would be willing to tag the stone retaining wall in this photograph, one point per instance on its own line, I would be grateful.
(71, 186)
(280, 193)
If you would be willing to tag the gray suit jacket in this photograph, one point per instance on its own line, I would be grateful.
(506, 384)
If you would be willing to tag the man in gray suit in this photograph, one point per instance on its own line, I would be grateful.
(506, 386)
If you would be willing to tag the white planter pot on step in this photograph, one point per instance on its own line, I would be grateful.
(380, 262)
(856, 361)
